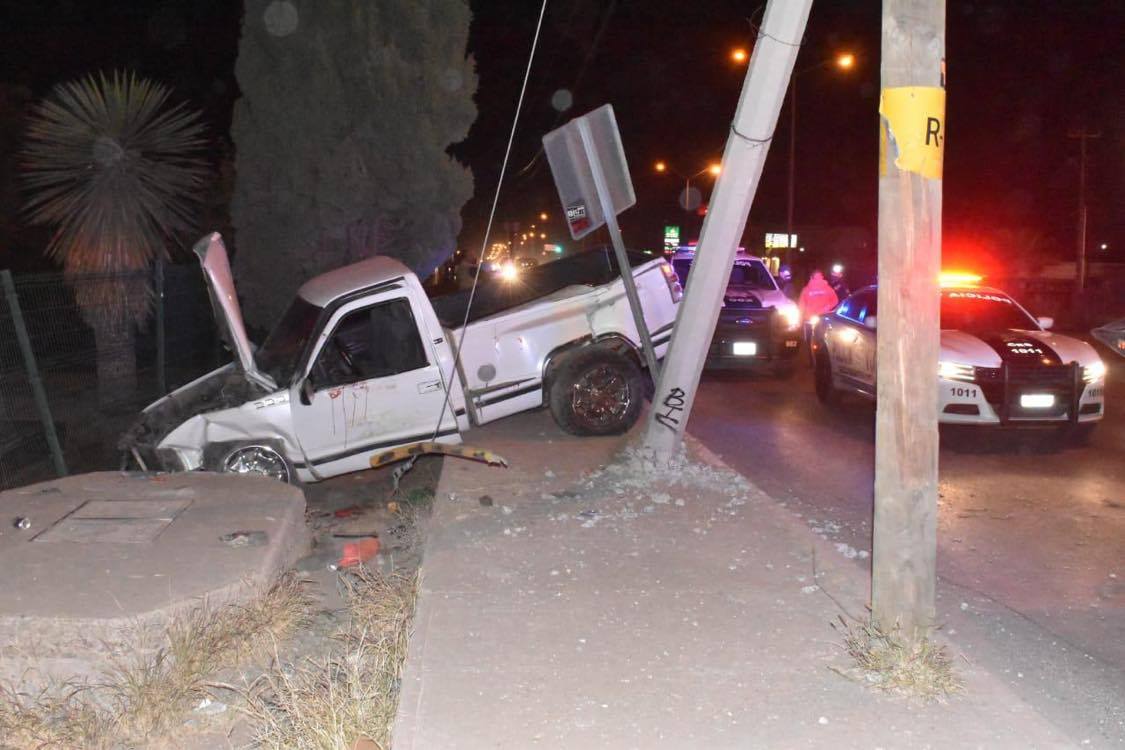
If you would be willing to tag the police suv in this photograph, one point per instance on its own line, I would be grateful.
(998, 364)
(758, 326)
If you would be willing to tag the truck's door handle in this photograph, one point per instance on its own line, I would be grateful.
(429, 386)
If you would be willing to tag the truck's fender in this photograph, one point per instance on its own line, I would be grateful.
(612, 341)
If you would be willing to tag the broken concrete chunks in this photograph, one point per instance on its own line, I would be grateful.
(245, 538)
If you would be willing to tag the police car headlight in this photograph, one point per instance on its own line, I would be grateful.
(956, 371)
(790, 314)
(1093, 372)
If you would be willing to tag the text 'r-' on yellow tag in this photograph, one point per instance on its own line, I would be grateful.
(913, 129)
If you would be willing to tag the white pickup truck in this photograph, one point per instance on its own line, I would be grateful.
(363, 362)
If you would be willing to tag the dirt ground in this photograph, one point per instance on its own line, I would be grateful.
(340, 511)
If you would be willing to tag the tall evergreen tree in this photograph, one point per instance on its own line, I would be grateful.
(348, 108)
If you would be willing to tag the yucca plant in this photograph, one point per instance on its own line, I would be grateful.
(116, 170)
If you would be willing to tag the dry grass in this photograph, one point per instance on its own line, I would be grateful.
(889, 662)
(146, 696)
(329, 703)
(58, 718)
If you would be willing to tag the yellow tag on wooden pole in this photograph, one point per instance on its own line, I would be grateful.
(913, 129)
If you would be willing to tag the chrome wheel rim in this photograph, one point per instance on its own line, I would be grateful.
(601, 396)
(258, 460)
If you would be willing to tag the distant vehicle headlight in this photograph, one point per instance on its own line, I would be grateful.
(956, 371)
(790, 314)
(509, 272)
(1093, 372)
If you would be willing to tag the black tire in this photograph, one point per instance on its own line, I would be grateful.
(259, 458)
(596, 391)
(826, 392)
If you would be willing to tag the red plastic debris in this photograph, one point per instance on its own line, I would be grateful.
(358, 552)
(351, 510)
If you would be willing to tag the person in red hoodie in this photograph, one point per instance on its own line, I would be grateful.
(816, 298)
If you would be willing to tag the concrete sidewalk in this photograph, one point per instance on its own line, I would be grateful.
(559, 611)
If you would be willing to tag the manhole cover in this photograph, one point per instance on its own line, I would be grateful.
(115, 522)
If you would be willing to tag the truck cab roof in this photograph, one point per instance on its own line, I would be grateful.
(331, 285)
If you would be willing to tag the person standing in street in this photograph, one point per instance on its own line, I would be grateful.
(816, 299)
(785, 281)
(837, 281)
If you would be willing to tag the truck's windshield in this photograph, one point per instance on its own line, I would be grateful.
(278, 356)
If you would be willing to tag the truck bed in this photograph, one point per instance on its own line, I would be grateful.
(591, 268)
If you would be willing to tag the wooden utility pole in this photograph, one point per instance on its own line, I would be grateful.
(912, 136)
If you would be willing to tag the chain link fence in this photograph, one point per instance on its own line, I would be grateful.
(74, 372)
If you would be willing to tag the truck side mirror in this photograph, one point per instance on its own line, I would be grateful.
(1045, 322)
(871, 321)
(307, 391)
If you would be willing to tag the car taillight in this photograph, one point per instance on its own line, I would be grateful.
(673, 282)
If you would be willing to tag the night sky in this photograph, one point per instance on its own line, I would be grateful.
(1020, 75)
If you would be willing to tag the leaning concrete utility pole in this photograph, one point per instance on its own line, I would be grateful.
(775, 51)
(911, 138)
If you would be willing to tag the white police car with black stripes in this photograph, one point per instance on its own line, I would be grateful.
(999, 365)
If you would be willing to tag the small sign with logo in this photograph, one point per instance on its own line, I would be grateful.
(577, 219)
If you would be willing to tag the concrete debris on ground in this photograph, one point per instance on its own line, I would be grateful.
(614, 601)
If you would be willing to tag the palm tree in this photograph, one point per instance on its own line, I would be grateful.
(115, 170)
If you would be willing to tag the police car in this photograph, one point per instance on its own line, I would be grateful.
(758, 326)
(998, 364)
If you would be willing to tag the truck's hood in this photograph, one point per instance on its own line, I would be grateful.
(228, 315)
(219, 389)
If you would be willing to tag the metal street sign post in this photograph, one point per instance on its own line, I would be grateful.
(592, 177)
(771, 66)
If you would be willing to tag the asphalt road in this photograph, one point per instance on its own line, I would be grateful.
(1028, 530)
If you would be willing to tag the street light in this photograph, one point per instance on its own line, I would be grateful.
(713, 169)
(739, 55)
(543, 216)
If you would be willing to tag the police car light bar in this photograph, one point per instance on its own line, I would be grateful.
(959, 278)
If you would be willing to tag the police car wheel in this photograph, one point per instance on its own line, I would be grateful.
(826, 392)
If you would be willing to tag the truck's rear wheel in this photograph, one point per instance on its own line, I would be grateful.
(596, 392)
